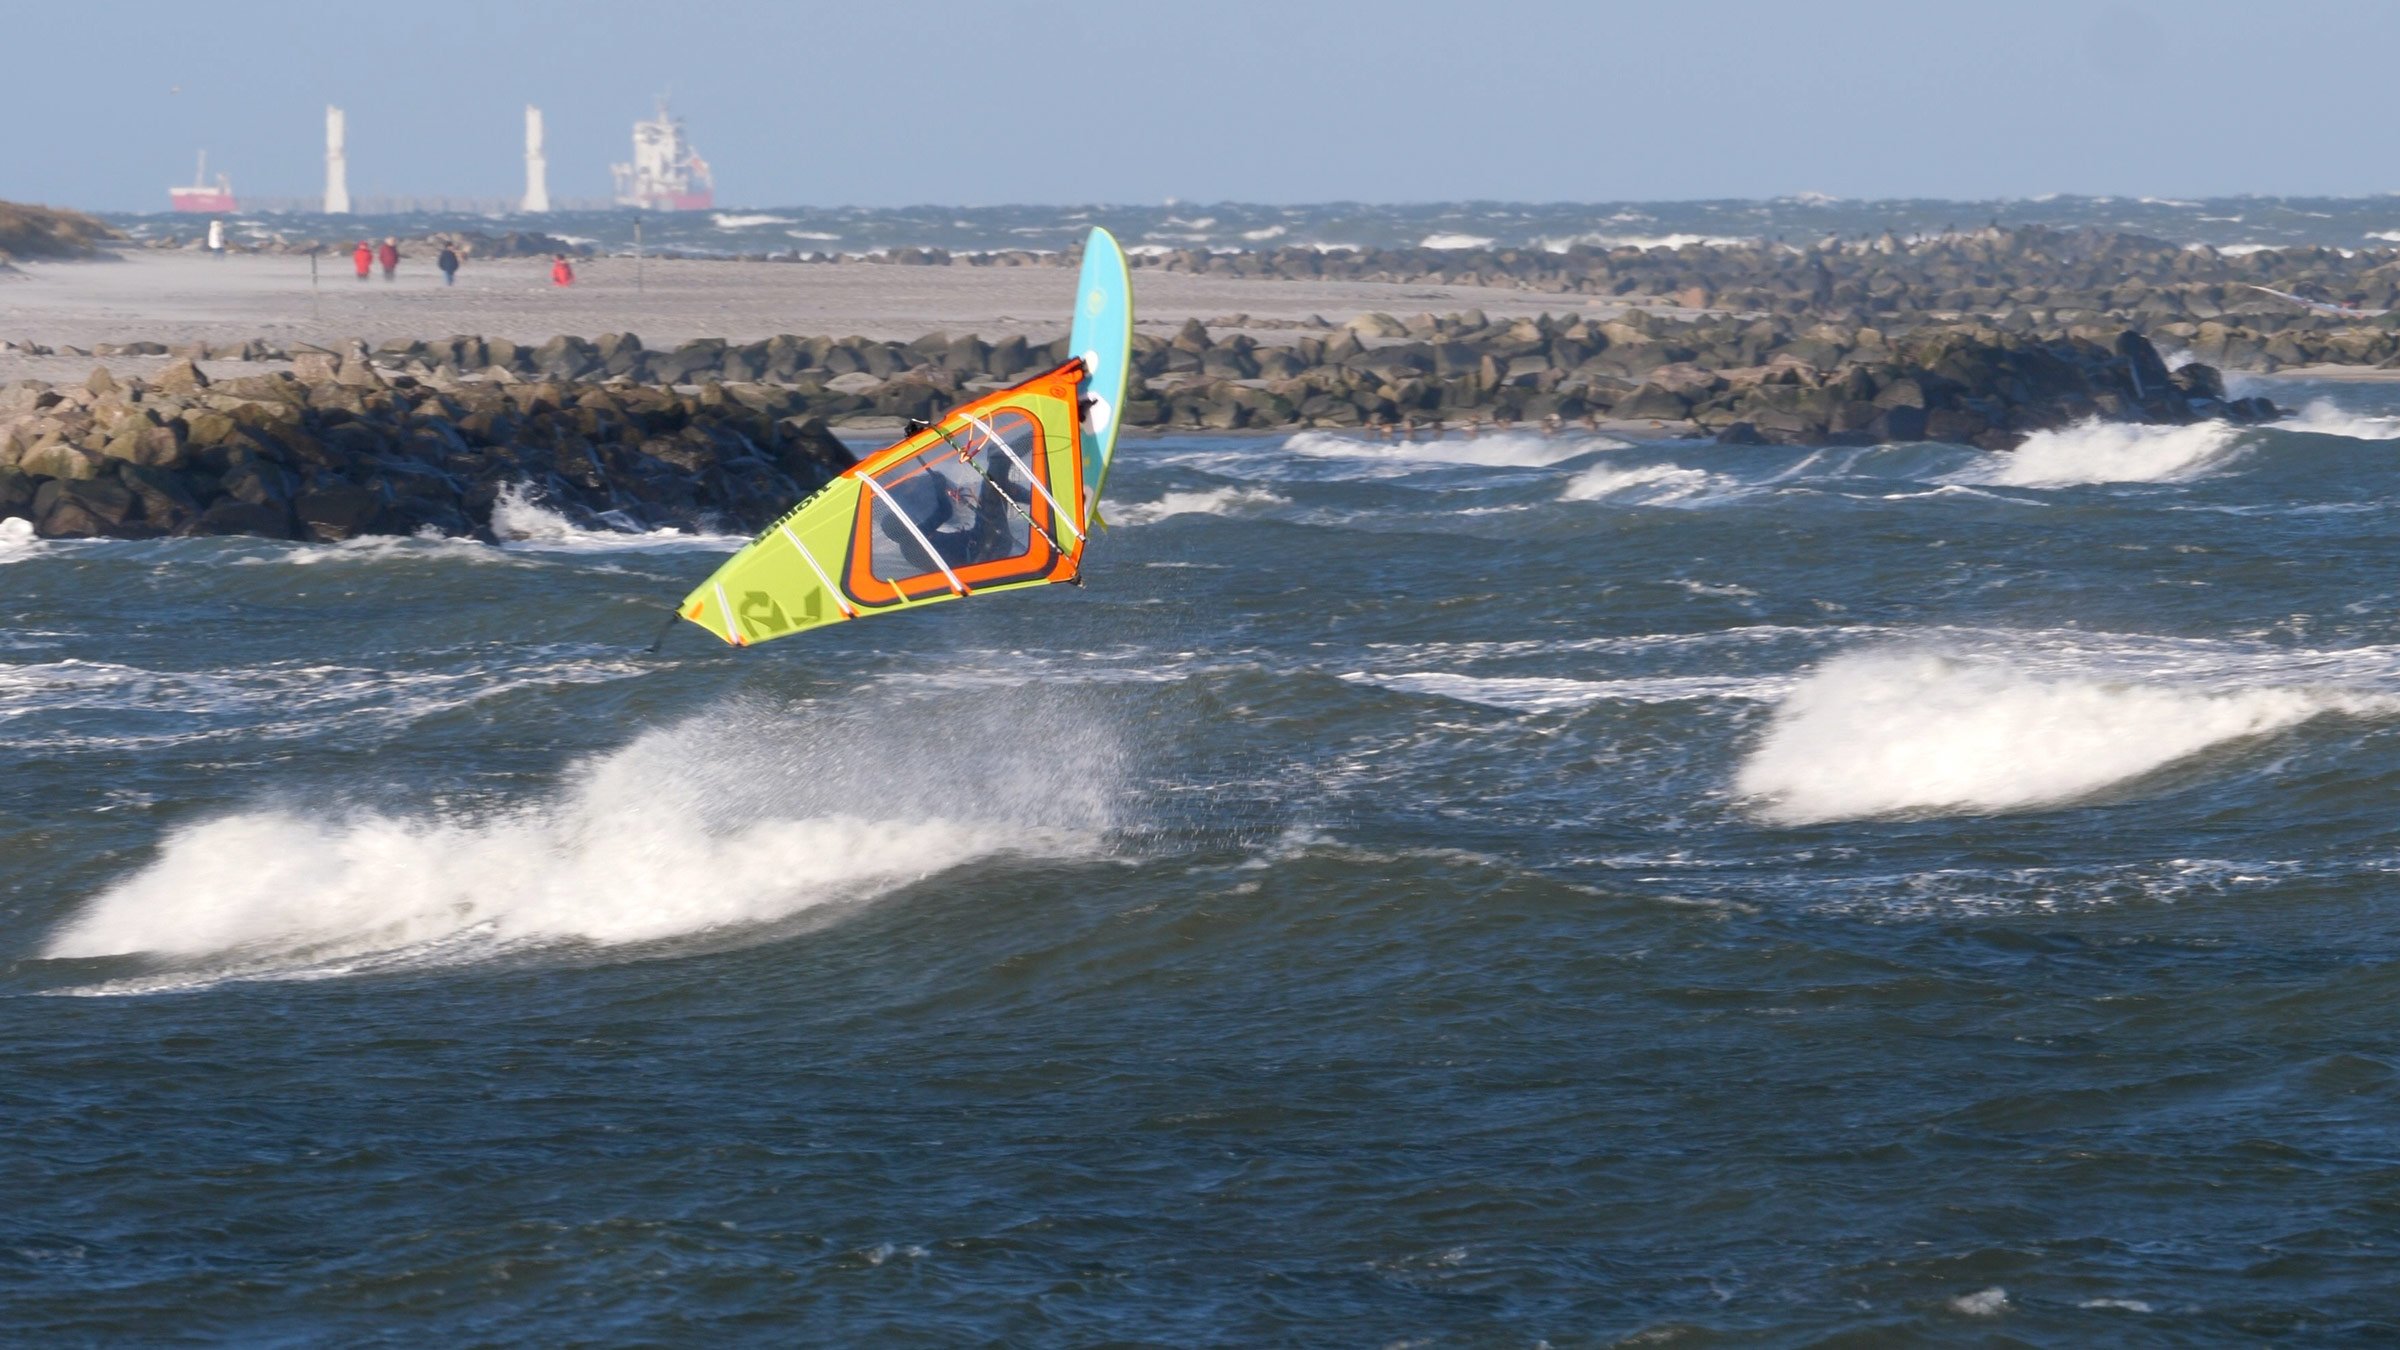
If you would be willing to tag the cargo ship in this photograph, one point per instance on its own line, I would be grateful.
(204, 197)
(666, 173)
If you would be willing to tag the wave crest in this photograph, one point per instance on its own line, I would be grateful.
(2111, 452)
(739, 818)
(1899, 732)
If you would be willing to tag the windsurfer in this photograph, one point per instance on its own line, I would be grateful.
(980, 532)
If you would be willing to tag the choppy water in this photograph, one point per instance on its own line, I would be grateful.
(1486, 893)
(2230, 222)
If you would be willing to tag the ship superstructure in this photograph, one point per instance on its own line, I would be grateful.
(203, 196)
(666, 173)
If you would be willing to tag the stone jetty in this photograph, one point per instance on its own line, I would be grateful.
(417, 435)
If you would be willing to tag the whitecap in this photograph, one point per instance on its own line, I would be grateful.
(1642, 484)
(1910, 731)
(734, 820)
(2109, 452)
(1982, 1303)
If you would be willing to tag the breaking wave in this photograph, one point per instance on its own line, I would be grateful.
(2111, 452)
(739, 819)
(1455, 241)
(522, 524)
(1224, 501)
(725, 221)
(2325, 419)
(1899, 732)
(1646, 484)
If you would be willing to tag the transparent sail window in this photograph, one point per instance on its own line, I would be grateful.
(966, 500)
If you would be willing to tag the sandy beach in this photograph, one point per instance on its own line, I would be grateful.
(176, 298)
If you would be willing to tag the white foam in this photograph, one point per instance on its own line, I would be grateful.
(1455, 241)
(739, 818)
(734, 222)
(1500, 450)
(2325, 419)
(376, 548)
(1533, 693)
(1644, 484)
(1982, 1303)
(1900, 731)
(2110, 452)
(520, 523)
(1224, 501)
(2133, 1305)
(1561, 243)
(17, 540)
(40, 701)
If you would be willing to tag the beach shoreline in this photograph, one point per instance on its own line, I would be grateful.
(183, 298)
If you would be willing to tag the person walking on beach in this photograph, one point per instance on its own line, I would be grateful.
(448, 262)
(562, 272)
(363, 258)
(388, 255)
(216, 238)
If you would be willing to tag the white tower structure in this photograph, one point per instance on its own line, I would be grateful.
(537, 167)
(337, 165)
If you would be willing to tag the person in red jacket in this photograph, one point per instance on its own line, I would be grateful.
(388, 255)
(363, 258)
(562, 272)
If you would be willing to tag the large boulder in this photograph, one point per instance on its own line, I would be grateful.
(53, 457)
(230, 515)
(85, 508)
(179, 377)
(336, 511)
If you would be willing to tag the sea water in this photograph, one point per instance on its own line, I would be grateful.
(1505, 891)
(2233, 223)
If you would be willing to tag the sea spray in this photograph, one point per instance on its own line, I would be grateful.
(2325, 418)
(1900, 731)
(17, 539)
(739, 818)
(523, 523)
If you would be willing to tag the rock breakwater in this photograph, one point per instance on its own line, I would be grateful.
(418, 435)
(337, 450)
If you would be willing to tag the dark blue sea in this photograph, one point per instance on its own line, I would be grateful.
(1480, 893)
(2230, 223)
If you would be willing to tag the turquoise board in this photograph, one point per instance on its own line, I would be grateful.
(1103, 337)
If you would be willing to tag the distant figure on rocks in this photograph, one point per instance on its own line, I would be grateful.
(562, 272)
(216, 237)
(389, 256)
(363, 258)
(448, 262)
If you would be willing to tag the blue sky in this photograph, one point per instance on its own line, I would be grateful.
(883, 102)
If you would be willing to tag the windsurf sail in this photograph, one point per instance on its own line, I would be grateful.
(998, 495)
